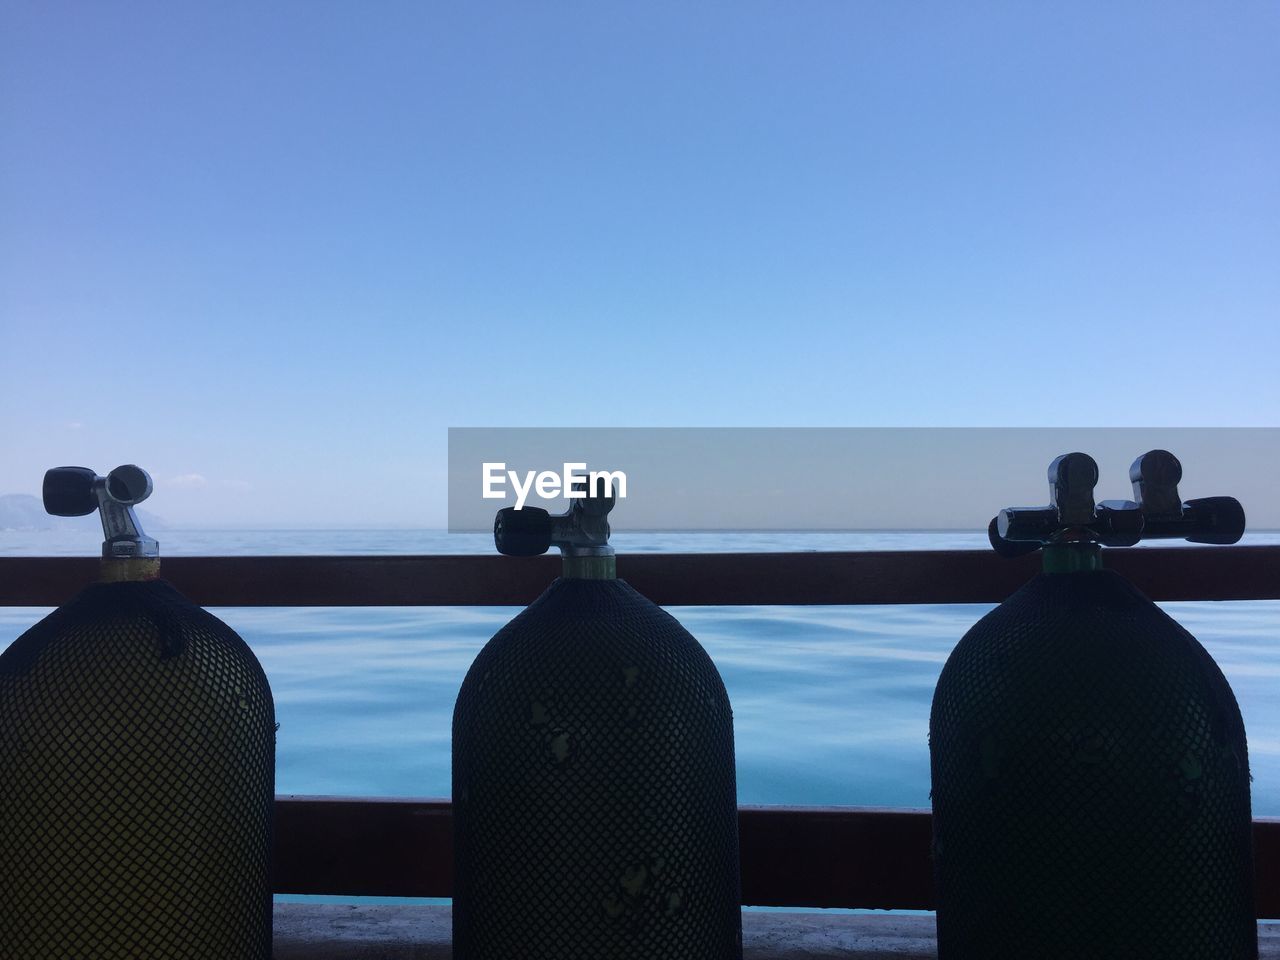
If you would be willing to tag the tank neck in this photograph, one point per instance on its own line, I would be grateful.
(1072, 557)
(131, 570)
(589, 568)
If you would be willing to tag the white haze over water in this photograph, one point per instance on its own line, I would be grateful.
(831, 703)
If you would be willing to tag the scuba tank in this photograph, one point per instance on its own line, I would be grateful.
(1090, 774)
(595, 807)
(137, 749)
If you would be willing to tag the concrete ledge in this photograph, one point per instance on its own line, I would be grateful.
(346, 932)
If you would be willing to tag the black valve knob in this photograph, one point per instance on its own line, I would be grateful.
(1009, 548)
(1215, 520)
(1119, 524)
(522, 533)
(69, 491)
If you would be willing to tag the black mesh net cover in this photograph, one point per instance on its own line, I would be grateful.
(137, 748)
(593, 787)
(1090, 785)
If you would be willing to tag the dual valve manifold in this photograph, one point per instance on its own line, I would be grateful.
(1155, 512)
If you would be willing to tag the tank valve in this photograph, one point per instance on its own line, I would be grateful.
(1155, 476)
(1071, 516)
(582, 531)
(78, 491)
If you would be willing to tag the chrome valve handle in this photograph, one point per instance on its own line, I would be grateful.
(78, 491)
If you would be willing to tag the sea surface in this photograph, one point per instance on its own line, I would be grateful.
(831, 704)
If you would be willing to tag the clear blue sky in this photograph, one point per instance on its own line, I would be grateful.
(282, 247)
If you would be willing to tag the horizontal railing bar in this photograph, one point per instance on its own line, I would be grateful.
(887, 577)
(791, 856)
(323, 931)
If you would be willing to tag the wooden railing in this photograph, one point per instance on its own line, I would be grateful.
(791, 856)
(695, 579)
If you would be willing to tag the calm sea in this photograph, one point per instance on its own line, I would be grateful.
(831, 704)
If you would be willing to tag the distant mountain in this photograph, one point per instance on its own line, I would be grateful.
(21, 511)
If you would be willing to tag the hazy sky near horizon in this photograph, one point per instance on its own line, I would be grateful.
(273, 251)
